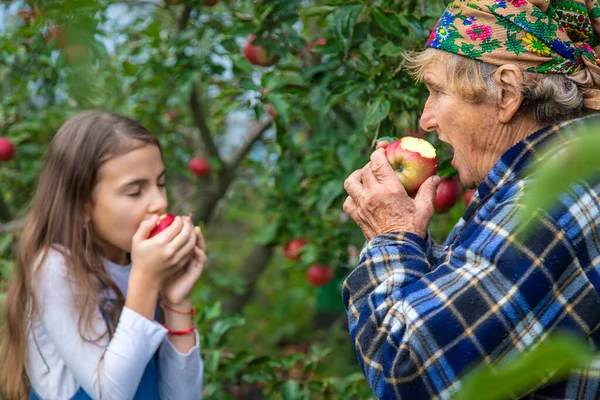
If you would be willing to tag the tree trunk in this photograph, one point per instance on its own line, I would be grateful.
(250, 272)
(4, 212)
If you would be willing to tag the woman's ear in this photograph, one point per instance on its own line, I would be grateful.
(508, 78)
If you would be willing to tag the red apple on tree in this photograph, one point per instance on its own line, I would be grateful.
(27, 15)
(257, 55)
(7, 149)
(319, 274)
(413, 160)
(163, 222)
(293, 248)
(199, 166)
(447, 194)
(468, 195)
(210, 3)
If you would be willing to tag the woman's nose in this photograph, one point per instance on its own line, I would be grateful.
(427, 121)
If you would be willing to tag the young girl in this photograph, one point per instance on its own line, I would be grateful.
(81, 309)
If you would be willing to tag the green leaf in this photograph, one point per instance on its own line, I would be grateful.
(390, 50)
(290, 390)
(348, 156)
(408, 100)
(410, 21)
(281, 106)
(513, 377)
(221, 327)
(329, 192)
(320, 11)
(211, 361)
(562, 165)
(5, 243)
(446, 169)
(389, 139)
(269, 233)
(378, 111)
(389, 22)
(345, 20)
(334, 99)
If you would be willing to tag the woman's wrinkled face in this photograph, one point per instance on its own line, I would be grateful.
(130, 189)
(466, 127)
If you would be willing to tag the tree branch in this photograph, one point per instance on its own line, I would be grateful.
(254, 136)
(200, 120)
(206, 205)
(184, 18)
(11, 227)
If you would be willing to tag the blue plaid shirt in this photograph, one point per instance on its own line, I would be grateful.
(421, 315)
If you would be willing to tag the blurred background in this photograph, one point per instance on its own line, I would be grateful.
(263, 109)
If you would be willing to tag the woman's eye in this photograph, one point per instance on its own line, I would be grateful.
(135, 194)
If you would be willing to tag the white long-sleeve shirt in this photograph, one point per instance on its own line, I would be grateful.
(62, 361)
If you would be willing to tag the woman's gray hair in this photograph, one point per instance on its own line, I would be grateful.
(548, 98)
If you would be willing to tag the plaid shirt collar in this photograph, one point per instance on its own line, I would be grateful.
(515, 163)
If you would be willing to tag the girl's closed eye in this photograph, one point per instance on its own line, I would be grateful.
(133, 191)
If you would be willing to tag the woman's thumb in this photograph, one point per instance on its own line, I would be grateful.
(382, 144)
(426, 193)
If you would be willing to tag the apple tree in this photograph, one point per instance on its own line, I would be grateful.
(263, 106)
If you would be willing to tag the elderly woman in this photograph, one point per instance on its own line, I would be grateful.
(502, 76)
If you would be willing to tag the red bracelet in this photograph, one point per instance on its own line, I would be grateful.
(181, 333)
(192, 312)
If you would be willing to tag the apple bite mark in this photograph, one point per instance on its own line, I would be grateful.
(418, 145)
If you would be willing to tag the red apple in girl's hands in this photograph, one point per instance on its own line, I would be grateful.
(413, 160)
(163, 222)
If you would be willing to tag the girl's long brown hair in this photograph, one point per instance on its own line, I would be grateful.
(57, 219)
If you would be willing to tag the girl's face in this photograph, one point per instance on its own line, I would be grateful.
(130, 189)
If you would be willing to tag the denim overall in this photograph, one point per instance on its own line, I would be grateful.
(148, 388)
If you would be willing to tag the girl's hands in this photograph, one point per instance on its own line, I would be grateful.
(156, 259)
(177, 288)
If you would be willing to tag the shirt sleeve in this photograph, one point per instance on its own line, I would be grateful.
(181, 374)
(417, 327)
(112, 370)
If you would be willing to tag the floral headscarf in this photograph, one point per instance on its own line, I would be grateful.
(544, 36)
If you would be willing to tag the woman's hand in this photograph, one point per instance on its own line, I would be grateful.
(177, 287)
(379, 204)
(157, 258)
